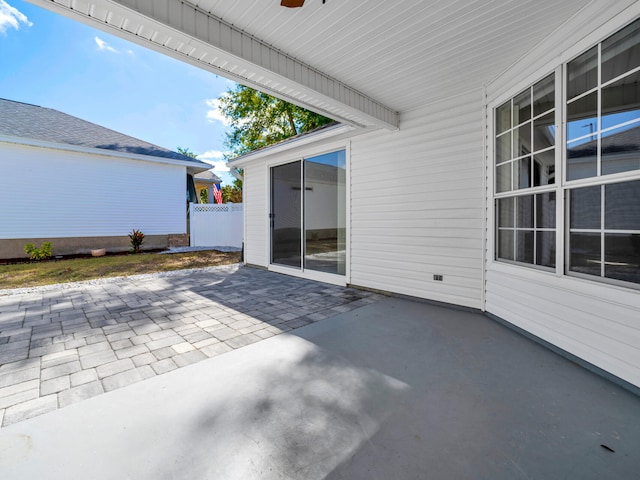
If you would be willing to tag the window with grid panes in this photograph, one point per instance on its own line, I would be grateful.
(603, 158)
(525, 175)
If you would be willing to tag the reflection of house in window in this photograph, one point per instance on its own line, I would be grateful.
(544, 168)
(323, 189)
(619, 151)
(617, 224)
(544, 162)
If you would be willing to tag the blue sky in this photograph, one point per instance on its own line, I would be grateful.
(51, 61)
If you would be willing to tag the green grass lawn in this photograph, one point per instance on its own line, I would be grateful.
(62, 271)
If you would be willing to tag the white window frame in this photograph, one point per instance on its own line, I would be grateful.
(555, 187)
(594, 181)
(562, 186)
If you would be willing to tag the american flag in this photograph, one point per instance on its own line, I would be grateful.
(217, 194)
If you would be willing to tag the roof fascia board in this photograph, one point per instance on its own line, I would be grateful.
(290, 144)
(210, 43)
(200, 166)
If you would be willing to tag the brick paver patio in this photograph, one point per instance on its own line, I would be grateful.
(62, 346)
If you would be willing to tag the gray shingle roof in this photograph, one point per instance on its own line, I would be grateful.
(207, 176)
(45, 124)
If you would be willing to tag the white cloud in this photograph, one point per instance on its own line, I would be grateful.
(104, 46)
(11, 17)
(211, 155)
(214, 113)
(219, 166)
(214, 158)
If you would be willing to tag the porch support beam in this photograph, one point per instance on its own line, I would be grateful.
(184, 31)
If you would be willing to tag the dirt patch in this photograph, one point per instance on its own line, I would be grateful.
(58, 258)
(31, 274)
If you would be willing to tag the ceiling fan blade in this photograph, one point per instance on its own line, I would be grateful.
(292, 3)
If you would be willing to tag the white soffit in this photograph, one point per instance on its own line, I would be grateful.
(185, 31)
(358, 62)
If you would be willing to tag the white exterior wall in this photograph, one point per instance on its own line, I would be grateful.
(46, 193)
(416, 198)
(256, 201)
(597, 322)
(417, 204)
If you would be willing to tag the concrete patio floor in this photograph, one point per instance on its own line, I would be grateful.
(392, 390)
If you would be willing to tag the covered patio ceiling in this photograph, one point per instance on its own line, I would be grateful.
(358, 62)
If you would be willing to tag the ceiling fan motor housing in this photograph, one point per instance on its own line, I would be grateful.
(292, 3)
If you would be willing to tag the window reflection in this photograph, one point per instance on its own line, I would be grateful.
(621, 101)
(585, 208)
(325, 213)
(525, 211)
(522, 107)
(503, 118)
(603, 120)
(524, 246)
(505, 244)
(544, 168)
(527, 124)
(546, 210)
(582, 160)
(526, 229)
(582, 73)
(285, 214)
(603, 138)
(503, 148)
(505, 212)
(582, 154)
(585, 253)
(582, 118)
(622, 256)
(622, 206)
(621, 52)
(618, 224)
(544, 132)
(522, 144)
(620, 149)
(546, 249)
(503, 178)
(544, 95)
(522, 173)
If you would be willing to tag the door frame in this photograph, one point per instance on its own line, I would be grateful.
(301, 154)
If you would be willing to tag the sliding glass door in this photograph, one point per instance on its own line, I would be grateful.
(325, 213)
(286, 214)
(309, 231)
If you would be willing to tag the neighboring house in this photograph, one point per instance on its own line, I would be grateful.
(206, 180)
(83, 186)
(458, 175)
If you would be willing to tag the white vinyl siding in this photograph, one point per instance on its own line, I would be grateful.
(597, 322)
(417, 204)
(46, 193)
(256, 235)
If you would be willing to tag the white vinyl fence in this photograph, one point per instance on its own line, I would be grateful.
(216, 225)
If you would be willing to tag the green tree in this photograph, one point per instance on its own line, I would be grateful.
(231, 193)
(204, 195)
(258, 120)
(186, 152)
